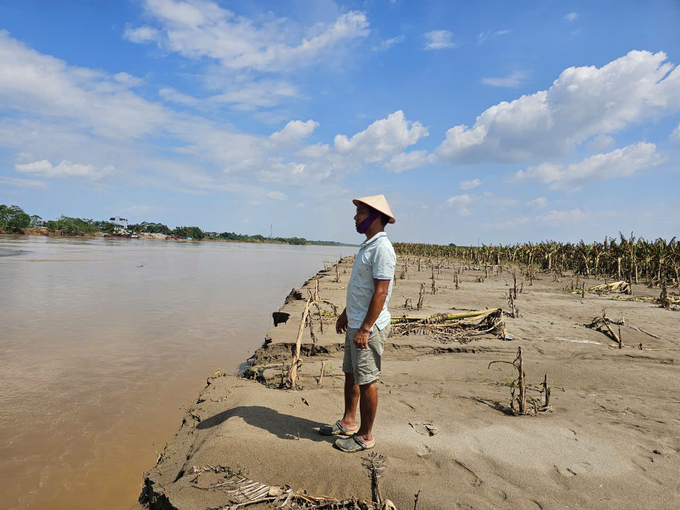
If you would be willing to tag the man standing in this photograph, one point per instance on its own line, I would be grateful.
(365, 322)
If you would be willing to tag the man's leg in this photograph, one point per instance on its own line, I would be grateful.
(368, 406)
(349, 420)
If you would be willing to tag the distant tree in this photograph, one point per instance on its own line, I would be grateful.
(14, 217)
(193, 232)
(35, 220)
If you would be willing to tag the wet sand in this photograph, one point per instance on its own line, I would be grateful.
(612, 439)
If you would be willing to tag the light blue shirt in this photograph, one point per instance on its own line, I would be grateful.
(375, 260)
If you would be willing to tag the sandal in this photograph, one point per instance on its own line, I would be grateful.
(353, 444)
(335, 430)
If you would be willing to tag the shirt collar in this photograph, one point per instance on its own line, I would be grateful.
(372, 239)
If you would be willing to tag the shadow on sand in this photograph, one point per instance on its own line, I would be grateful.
(283, 426)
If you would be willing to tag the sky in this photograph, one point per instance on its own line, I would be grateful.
(481, 122)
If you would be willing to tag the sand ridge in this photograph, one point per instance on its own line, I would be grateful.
(612, 440)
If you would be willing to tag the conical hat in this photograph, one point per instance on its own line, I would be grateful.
(377, 202)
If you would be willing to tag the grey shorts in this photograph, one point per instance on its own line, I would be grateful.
(364, 363)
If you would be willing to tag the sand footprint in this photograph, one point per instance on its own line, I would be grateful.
(469, 475)
(424, 450)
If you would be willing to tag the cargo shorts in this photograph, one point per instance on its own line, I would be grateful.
(364, 363)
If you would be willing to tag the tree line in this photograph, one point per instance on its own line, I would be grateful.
(14, 219)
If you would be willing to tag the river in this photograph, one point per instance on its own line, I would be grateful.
(102, 344)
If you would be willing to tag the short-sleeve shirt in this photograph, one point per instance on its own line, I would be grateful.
(375, 260)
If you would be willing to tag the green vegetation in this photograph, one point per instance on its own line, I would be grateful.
(633, 259)
(72, 226)
(14, 219)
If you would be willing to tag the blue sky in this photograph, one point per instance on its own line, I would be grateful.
(491, 122)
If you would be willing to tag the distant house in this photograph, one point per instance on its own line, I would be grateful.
(119, 222)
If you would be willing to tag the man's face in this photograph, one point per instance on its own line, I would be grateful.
(361, 215)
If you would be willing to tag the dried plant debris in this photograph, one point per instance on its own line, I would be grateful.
(243, 492)
(447, 328)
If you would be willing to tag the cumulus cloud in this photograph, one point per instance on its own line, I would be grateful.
(388, 43)
(384, 137)
(277, 195)
(539, 202)
(64, 169)
(461, 202)
(514, 80)
(571, 16)
(408, 161)
(582, 102)
(439, 40)
(618, 163)
(294, 131)
(470, 184)
(201, 28)
(315, 151)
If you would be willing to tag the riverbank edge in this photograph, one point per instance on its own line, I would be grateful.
(152, 495)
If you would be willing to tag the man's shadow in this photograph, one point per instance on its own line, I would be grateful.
(283, 426)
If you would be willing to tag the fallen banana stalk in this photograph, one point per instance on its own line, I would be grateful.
(452, 327)
(621, 287)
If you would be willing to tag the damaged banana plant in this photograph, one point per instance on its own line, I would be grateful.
(448, 328)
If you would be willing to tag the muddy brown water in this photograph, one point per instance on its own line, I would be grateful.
(98, 356)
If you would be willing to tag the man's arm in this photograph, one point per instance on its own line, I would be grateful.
(382, 288)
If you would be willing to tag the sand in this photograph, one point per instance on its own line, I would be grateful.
(612, 439)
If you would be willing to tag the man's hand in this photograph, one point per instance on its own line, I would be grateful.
(341, 323)
(361, 338)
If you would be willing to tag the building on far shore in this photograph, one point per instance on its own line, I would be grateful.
(119, 222)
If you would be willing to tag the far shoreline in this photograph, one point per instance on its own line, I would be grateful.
(44, 232)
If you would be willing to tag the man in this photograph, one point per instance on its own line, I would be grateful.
(365, 322)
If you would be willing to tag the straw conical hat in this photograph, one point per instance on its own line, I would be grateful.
(377, 202)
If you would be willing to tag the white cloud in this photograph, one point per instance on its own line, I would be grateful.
(388, 43)
(63, 169)
(299, 205)
(470, 184)
(439, 40)
(408, 161)
(618, 163)
(383, 138)
(539, 202)
(675, 135)
(486, 35)
(141, 34)
(571, 16)
(317, 150)
(573, 216)
(294, 131)
(582, 102)
(277, 195)
(601, 142)
(201, 28)
(460, 203)
(174, 96)
(514, 80)
(21, 183)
